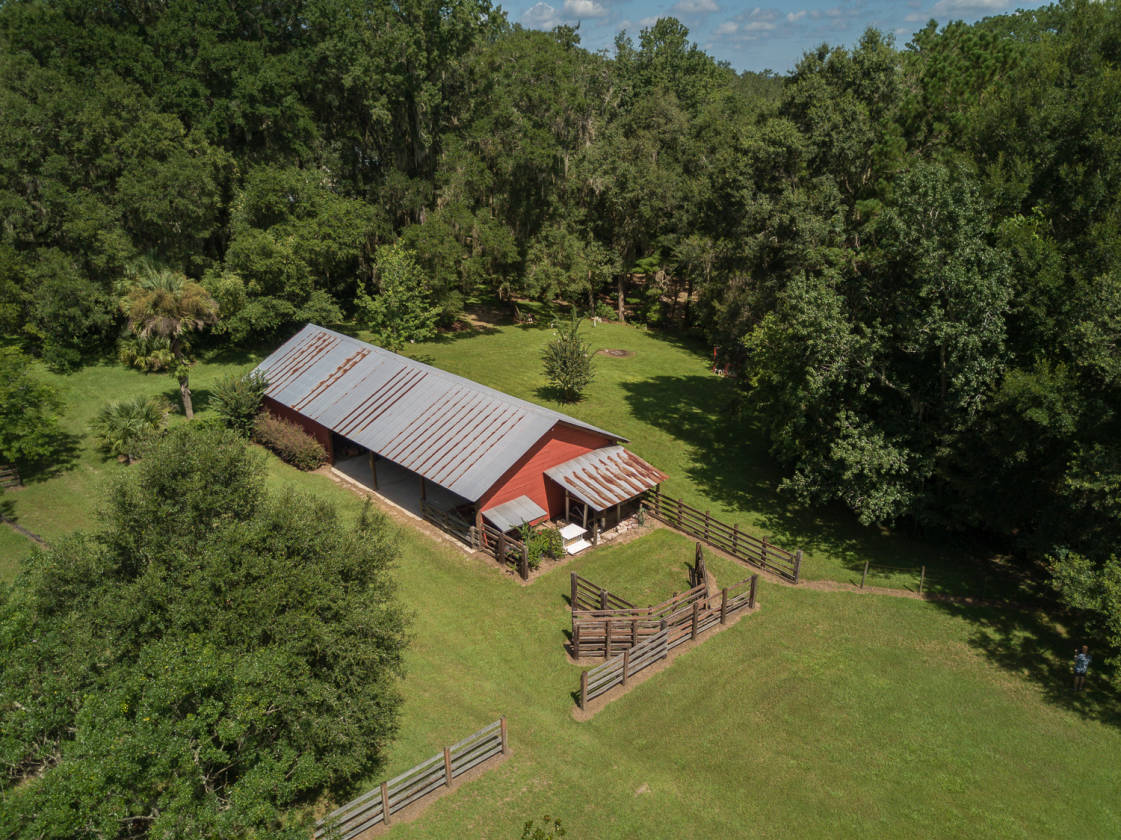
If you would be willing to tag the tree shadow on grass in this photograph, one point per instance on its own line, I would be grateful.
(1033, 646)
(729, 462)
(63, 456)
(551, 393)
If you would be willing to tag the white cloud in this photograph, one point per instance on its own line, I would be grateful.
(696, 7)
(791, 17)
(584, 8)
(759, 26)
(966, 7)
(541, 16)
(728, 27)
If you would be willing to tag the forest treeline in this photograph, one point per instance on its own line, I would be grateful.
(909, 255)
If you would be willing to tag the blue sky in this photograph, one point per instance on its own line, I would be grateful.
(749, 36)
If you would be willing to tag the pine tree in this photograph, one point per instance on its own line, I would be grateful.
(568, 361)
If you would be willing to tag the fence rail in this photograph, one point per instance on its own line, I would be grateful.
(681, 626)
(605, 632)
(503, 548)
(728, 538)
(590, 596)
(9, 476)
(379, 804)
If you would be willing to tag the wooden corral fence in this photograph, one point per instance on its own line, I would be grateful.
(9, 476)
(588, 596)
(606, 632)
(429, 776)
(697, 572)
(727, 538)
(505, 549)
(682, 626)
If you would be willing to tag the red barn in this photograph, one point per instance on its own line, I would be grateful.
(500, 457)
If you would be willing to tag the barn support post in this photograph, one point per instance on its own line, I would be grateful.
(585, 516)
(567, 506)
(423, 490)
(618, 513)
(595, 532)
(374, 468)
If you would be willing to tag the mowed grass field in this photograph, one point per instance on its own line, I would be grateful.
(825, 714)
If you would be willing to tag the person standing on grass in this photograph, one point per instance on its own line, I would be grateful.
(1082, 661)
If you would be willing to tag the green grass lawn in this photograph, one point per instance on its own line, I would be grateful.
(663, 398)
(822, 715)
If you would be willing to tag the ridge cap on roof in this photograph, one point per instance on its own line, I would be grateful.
(540, 410)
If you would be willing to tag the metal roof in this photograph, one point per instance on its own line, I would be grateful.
(456, 433)
(514, 513)
(606, 477)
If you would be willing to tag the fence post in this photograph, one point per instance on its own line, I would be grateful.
(575, 640)
(583, 689)
(658, 500)
(696, 612)
(735, 538)
(626, 664)
(385, 802)
(603, 599)
(500, 554)
(572, 601)
(865, 575)
(724, 605)
(922, 579)
(447, 767)
(797, 565)
(680, 513)
(751, 596)
(502, 723)
(765, 553)
(472, 536)
(607, 641)
(523, 563)
(634, 632)
(706, 524)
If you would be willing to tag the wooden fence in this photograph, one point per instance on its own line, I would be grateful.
(505, 549)
(697, 572)
(685, 625)
(728, 538)
(379, 804)
(606, 632)
(588, 596)
(9, 476)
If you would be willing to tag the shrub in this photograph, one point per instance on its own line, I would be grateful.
(606, 312)
(541, 542)
(289, 441)
(237, 399)
(124, 428)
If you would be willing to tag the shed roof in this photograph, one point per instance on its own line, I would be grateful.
(606, 477)
(514, 513)
(456, 433)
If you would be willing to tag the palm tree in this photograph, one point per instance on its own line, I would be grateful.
(123, 427)
(166, 304)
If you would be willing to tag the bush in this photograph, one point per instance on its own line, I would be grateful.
(289, 441)
(541, 542)
(606, 312)
(124, 428)
(237, 399)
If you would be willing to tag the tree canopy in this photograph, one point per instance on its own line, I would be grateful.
(206, 663)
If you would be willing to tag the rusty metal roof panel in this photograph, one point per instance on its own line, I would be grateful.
(606, 477)
(456, 433)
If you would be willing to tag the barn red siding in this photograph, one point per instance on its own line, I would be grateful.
(527, 476)
(320, 433)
